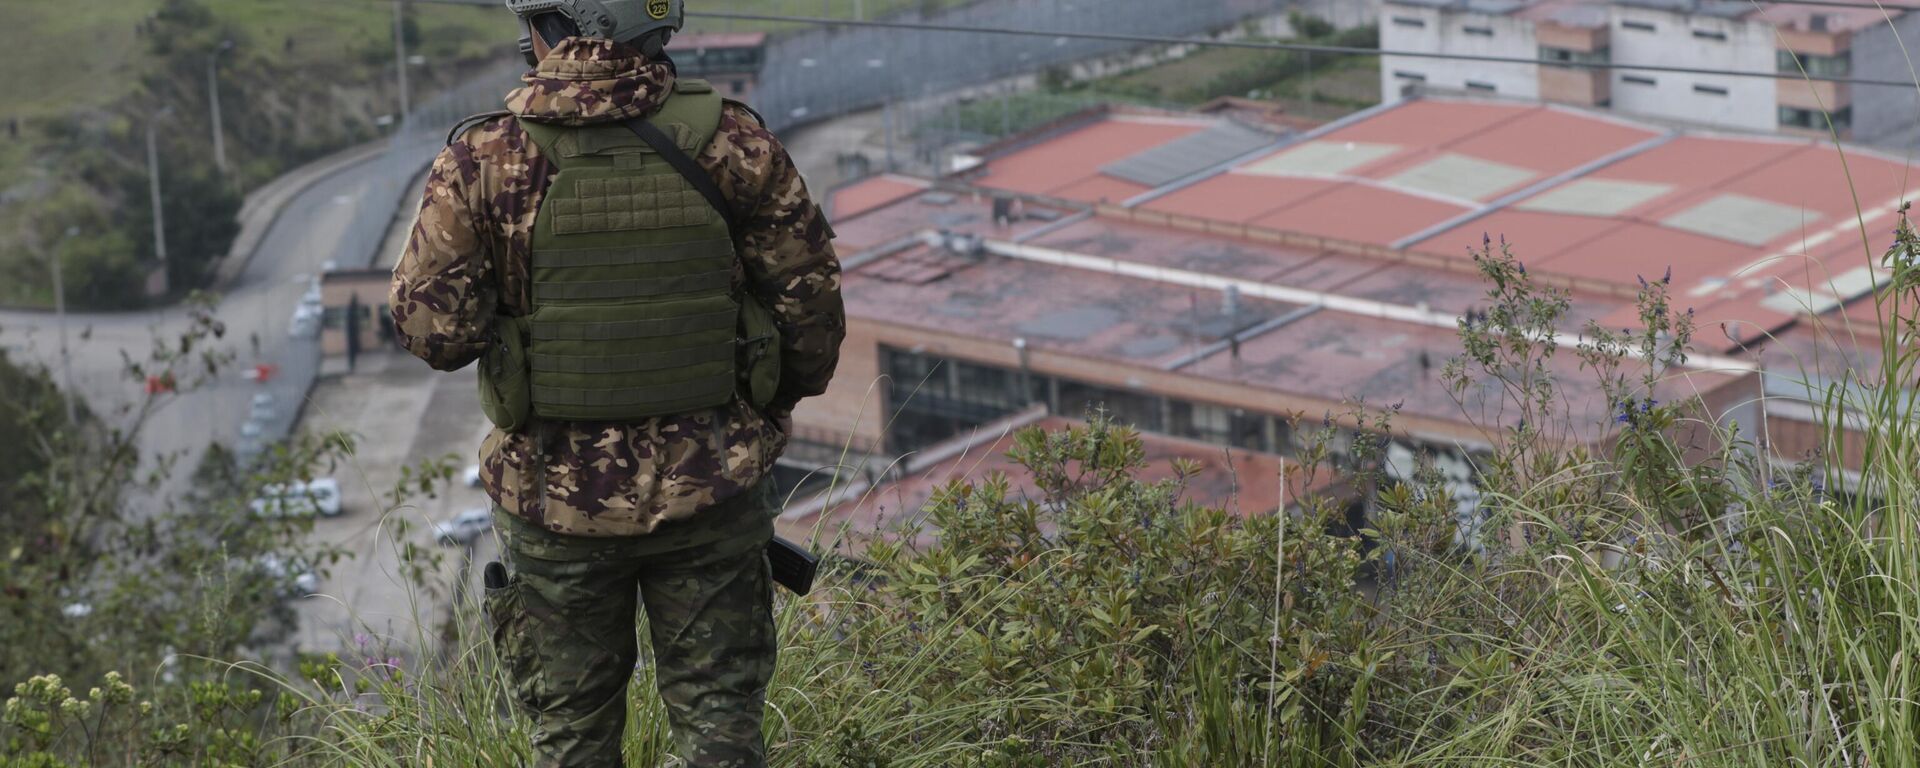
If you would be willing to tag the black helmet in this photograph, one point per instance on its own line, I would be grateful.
(647, 22)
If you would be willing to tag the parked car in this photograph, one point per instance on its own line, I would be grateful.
(472, 476)
(464, 528)
(305, 322)
(320, 496)
(291, 578)
(251, 429)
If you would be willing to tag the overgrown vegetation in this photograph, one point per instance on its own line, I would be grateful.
(1312, 86)
(1290, 77)
(1663, 600)
(95, 78)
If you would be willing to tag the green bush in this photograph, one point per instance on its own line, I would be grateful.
(1660, 599)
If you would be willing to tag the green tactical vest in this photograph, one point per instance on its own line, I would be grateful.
(634, 314)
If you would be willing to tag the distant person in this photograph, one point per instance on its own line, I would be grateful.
(649, 290)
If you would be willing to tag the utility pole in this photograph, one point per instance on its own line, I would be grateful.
(213, 100)
(400, 58)
(60, 310)
(153, 181)
(886, 118)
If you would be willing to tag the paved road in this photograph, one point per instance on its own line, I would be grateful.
(321, 224)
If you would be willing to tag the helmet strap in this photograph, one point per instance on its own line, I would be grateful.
(526, 45)
(653, 45)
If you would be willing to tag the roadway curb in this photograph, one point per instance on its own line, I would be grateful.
(264, 206)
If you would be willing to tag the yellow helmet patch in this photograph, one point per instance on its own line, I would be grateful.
(659, 9)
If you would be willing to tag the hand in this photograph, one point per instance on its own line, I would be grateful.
(784, 423)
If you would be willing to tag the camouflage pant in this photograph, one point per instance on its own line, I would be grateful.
(564, 628)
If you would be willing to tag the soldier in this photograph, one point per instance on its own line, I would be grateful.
(649, 290)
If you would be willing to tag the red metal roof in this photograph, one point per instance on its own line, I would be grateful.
(1362, 214)
(1237, 197)
(1069, 164)
(1069, 311)
(1429, 122)
(1240, 482)
(1552, 140)
(872, 192)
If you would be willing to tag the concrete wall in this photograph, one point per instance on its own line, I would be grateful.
(1446, 31)
(854, 406)
(1885, 115)
(337, 294)
(1749, 103)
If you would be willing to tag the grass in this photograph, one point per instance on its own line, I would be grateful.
(1174, 80)
(45, 36)
(1646, 609)
(1323, 86)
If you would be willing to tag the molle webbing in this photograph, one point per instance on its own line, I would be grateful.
(628, 330)
(634, 313)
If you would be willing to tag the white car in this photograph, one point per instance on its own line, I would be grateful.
(321, 496)
(263, 399)
(293, 579)
(464, 528)
(472, 476)
(305, 322)
(251, 430)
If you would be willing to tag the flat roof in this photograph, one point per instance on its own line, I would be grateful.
(1405, 170)
(1067, 311)
(1361, 219)
(1068, 164)
(933, 209)
(1241, 482)
(872, 192)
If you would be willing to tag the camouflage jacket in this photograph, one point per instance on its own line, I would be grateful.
(468, 260)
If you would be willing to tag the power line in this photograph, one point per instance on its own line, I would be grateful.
(1335, 50)
(1872, 6)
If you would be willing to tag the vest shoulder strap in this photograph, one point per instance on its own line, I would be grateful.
(545, 136)
(472, 121)
(694, 105)
(690, 118)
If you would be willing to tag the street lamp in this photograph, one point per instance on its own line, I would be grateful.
(400, 57)
(159, 219)
(213, 101)
(60, 311)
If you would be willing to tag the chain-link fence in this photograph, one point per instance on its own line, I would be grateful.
(411, 148)
(824, 73)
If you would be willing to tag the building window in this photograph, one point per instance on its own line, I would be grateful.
(1408, 21)
(1709, 34)
(1819, 66)
(1476, 85)
(1405, 75)
(1553, 55)
(932, 399)
(1479, 31)
(1219, 425)
(1637, 26)
(1137, 409)
(1710, 90)
(1638, 80)
(1814, 120)
(739, 87)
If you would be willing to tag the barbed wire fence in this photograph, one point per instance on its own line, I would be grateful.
(823, 73)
